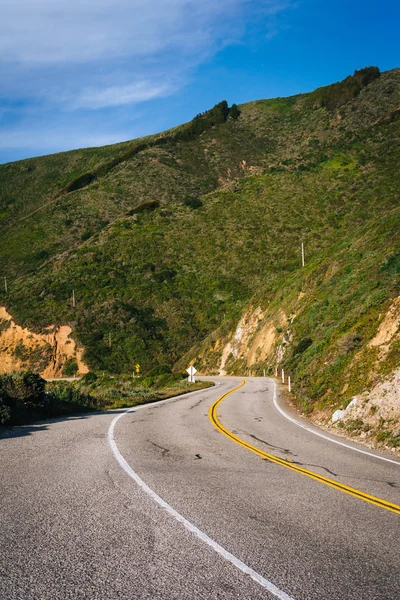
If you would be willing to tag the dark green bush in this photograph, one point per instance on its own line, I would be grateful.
(23, 388)
(234, 112)
(215, 116)
(5, 411)
(164, 275)
(64, 396)
(302, 345)
(392, 264)
(145, 207)
(89, 378)
(86, 235)
(193, 202)
(81, 182)
(70, 368)
(335, 95)
(20, 394)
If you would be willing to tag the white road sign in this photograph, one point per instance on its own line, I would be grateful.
(192, 372)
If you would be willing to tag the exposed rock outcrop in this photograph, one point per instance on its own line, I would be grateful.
(46, 353)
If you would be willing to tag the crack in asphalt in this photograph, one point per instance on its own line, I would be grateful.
(391, 484)
(300, 464)
(164, 451)
(196, 403)
(284, 450)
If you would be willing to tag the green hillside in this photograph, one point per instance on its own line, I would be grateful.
(166, 240)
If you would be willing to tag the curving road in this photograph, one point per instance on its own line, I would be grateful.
(162, 503)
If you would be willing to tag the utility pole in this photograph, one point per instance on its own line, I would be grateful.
(73, 298)
(302, 254)
(5, 284)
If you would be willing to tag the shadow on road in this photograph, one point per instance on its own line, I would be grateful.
(43, 424)
(20, 431)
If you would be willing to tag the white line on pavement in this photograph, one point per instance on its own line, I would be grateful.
(268, 585)
(395, 462)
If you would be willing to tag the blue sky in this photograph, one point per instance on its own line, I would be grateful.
(78, 73)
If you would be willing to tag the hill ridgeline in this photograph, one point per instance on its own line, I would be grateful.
(186, 246)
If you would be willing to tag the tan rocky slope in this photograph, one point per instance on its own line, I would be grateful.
(48, 353)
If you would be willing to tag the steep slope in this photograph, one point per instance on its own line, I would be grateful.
(170, 241)
(53, 353)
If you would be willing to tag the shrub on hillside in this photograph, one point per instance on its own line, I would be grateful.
(335, 95)
(203, 121)
(89, 378)
(70, 368)
(234, 112)
(66, 397)
(81, 182)
(349, 342)
(149, 206)
(302, 345)
(20, 393)
(5, 411)
(193, 202)
(22, 388)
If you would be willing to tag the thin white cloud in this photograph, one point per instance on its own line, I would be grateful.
(115, 95)
(49, 32)
(58, 56)
(46, 32)
(55, 50)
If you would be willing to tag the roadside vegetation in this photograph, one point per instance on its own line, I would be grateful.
(26, 397)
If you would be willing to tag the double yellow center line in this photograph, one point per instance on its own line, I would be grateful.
(288, 465)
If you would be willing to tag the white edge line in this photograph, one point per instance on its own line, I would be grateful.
(395, 462)
(268, 585)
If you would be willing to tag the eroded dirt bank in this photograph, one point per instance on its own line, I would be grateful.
(48, 353)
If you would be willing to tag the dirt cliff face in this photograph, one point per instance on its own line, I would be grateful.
(252, 339)
(46, 353)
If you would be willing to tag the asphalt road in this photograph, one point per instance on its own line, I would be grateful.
(160, 504)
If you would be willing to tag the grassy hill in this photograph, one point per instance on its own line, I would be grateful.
(167, 240)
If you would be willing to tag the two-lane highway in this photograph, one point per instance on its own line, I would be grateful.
(180, 500)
